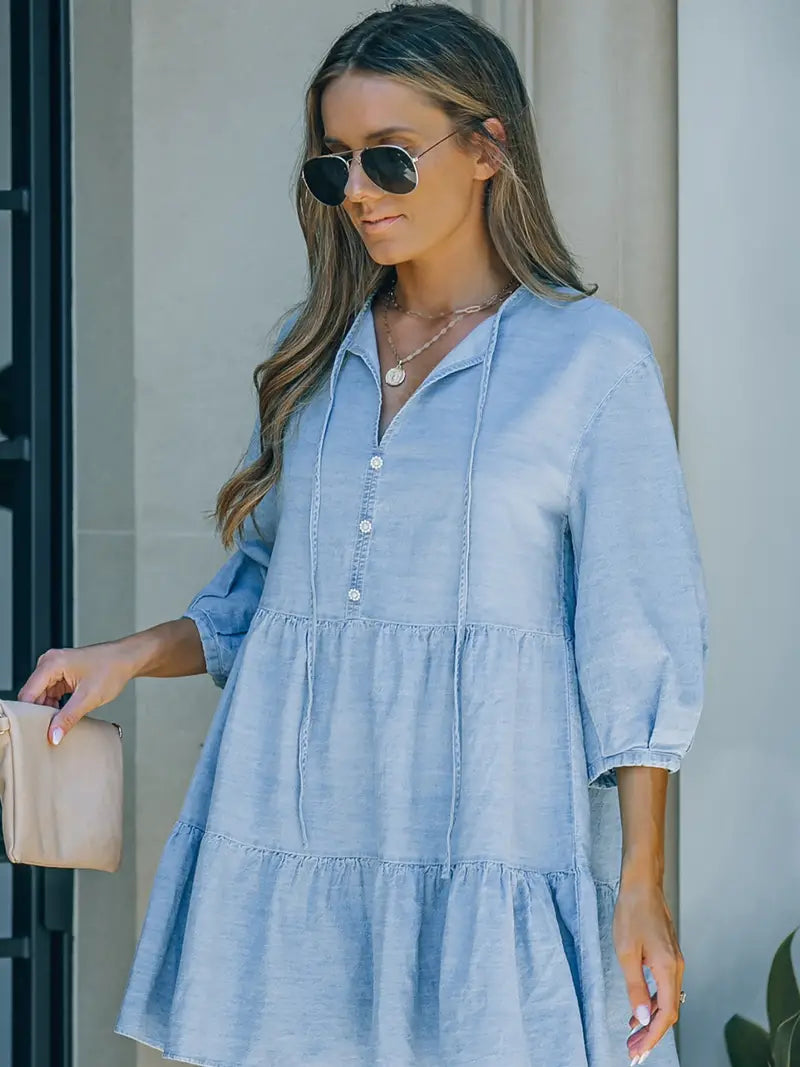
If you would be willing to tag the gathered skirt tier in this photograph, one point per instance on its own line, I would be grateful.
(356, 952)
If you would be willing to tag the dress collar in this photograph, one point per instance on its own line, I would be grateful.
(471, 348)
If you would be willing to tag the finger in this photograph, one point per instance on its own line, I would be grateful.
(665, 972)
(52, 695)
(640, 1043)
(633, 1021)
(47, 673)
(38, 684)
(73, 711)
(638, 992)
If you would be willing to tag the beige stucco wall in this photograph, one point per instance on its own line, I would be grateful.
(104, 514)
(739, 235)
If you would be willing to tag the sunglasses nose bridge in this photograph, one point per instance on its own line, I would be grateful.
(349, 188)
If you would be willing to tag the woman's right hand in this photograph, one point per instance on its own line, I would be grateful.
(94, 675)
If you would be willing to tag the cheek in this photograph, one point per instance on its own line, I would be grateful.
(439, 202)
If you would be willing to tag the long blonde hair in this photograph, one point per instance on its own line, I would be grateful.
(467, 70)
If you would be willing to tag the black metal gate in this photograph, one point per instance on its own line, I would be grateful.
(35, 484)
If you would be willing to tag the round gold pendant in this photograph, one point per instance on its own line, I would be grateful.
(394, 376)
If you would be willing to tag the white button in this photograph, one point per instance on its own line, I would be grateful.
(354, 594)
(376, 463)
(365, 526)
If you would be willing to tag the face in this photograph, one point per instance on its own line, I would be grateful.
(360, 110)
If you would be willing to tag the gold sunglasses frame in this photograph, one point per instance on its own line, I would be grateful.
(356, 154)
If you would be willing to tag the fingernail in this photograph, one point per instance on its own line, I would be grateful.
(644, 1056)
(58, 733)
(642, 1013)
(634, 1061)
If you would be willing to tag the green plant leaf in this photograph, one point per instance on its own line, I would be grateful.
(747, 1043)
(786, 1043)
(783, 996)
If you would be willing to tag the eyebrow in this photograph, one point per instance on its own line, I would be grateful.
(377, 135)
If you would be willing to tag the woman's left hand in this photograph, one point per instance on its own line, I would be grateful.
(644, 934)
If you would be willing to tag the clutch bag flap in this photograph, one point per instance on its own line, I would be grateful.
(61, 804)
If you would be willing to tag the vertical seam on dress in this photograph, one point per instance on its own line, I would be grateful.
(311, 631)
(463, 588)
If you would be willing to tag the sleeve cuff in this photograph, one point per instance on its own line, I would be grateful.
(602, 772)
(208, 639)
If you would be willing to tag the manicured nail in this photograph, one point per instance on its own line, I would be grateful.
(644, 1056)
(634, 1061)
(58, 733)
(642, 1013)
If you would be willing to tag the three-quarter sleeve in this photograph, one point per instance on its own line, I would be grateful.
(224, 608)
(640, 621)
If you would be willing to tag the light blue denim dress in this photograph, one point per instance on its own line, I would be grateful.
(401, 842)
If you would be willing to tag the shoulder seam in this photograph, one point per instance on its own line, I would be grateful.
(648, 355)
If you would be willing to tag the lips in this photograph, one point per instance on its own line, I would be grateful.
(381, 223)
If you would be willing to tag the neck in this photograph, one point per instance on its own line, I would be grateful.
(438, 287)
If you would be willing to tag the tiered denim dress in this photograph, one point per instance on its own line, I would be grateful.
(401, 842)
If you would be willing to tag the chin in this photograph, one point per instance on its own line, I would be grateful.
(385, 256)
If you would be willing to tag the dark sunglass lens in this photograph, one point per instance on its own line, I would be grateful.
(390, 168)
(326, 178)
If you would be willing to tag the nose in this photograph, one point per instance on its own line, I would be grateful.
(358, 184)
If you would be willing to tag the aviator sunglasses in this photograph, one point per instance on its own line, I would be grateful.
(388, 166)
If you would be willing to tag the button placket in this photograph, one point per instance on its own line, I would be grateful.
(363, 537)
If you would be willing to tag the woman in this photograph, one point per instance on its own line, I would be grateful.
(462, 636)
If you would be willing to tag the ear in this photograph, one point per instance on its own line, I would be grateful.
(488, 159)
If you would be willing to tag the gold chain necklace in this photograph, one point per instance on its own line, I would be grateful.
(396, 375)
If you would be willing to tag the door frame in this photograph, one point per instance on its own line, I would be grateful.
(36, 481)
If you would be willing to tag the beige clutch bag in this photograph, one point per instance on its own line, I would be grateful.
(62, 804)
